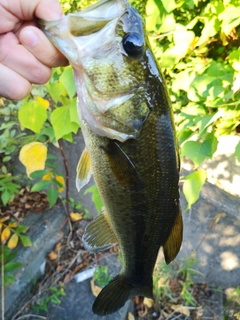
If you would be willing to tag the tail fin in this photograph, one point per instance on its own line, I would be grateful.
(116, 293)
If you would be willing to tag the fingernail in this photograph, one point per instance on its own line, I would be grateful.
(29, 38)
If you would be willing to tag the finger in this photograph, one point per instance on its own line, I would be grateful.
(27, 10)
(39, 45)
(16, 57)
(12, 85)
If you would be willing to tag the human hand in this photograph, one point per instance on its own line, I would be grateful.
(26, 55)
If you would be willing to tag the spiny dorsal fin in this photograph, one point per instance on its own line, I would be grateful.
(122, 167)
(83, 170)
(174, 241)
(99, 235)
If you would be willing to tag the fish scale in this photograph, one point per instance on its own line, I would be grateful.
(131, 146)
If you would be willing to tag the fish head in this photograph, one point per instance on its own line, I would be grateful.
(106, 46)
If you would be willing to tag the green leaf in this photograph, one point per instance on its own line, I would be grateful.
(196, 151)
(41, 185)
(192, 186)
(26, 241)
(6, 196)
(169, 5)
(95, 197)
(55, 89)
(67, 79)
(10, 266)
(52, 195)
(61, 122)
(73, 112)
(8, 279)
(21, 229)
(230, 18)
(237, 151)
(32, 115)
(38, 174)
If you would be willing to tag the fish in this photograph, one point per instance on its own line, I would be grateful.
(131, 145)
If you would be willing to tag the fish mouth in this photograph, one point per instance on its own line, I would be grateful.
(70, 33)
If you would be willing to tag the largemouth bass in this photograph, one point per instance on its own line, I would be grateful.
(131, 146)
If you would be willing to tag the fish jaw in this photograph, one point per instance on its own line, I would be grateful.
(76, 36)
(92, 41)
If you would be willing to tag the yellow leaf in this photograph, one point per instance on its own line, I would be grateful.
(47, 176)
(12, 224)
(13, 241)
(181, 309)
(75, 216)
(60, 179)
(95, 289)
(148, 302)
(52, 255)
(4, 219)
(33, 156)
(130, 316)
(5, 235)
(43, 102)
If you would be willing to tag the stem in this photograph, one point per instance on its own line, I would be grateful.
(31, 315)
(67, 176)
(2, 283)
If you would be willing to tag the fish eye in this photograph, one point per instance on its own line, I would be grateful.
(133, 44)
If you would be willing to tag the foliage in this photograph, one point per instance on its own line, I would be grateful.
(197, 46)
(54, 298)
(101, 276)
(232, 305)
(8, 265)
(181, 274)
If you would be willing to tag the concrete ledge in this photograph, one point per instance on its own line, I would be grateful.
(44, 232)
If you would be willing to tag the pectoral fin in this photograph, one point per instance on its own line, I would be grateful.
(99, 235)
(83, 170)
(122, 167)
(174, 241)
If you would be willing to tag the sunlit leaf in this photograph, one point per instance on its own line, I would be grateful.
(33, 156)
(13, 241)
(5, 235)
(192, 186)
(55, 90)
(32, 115)
(237, 151)
(68, 82)
(169, 5)
(59, 117)
(196, 151)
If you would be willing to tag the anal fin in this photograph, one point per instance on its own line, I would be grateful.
(173, 244)
(83, 170)
(99, 235)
